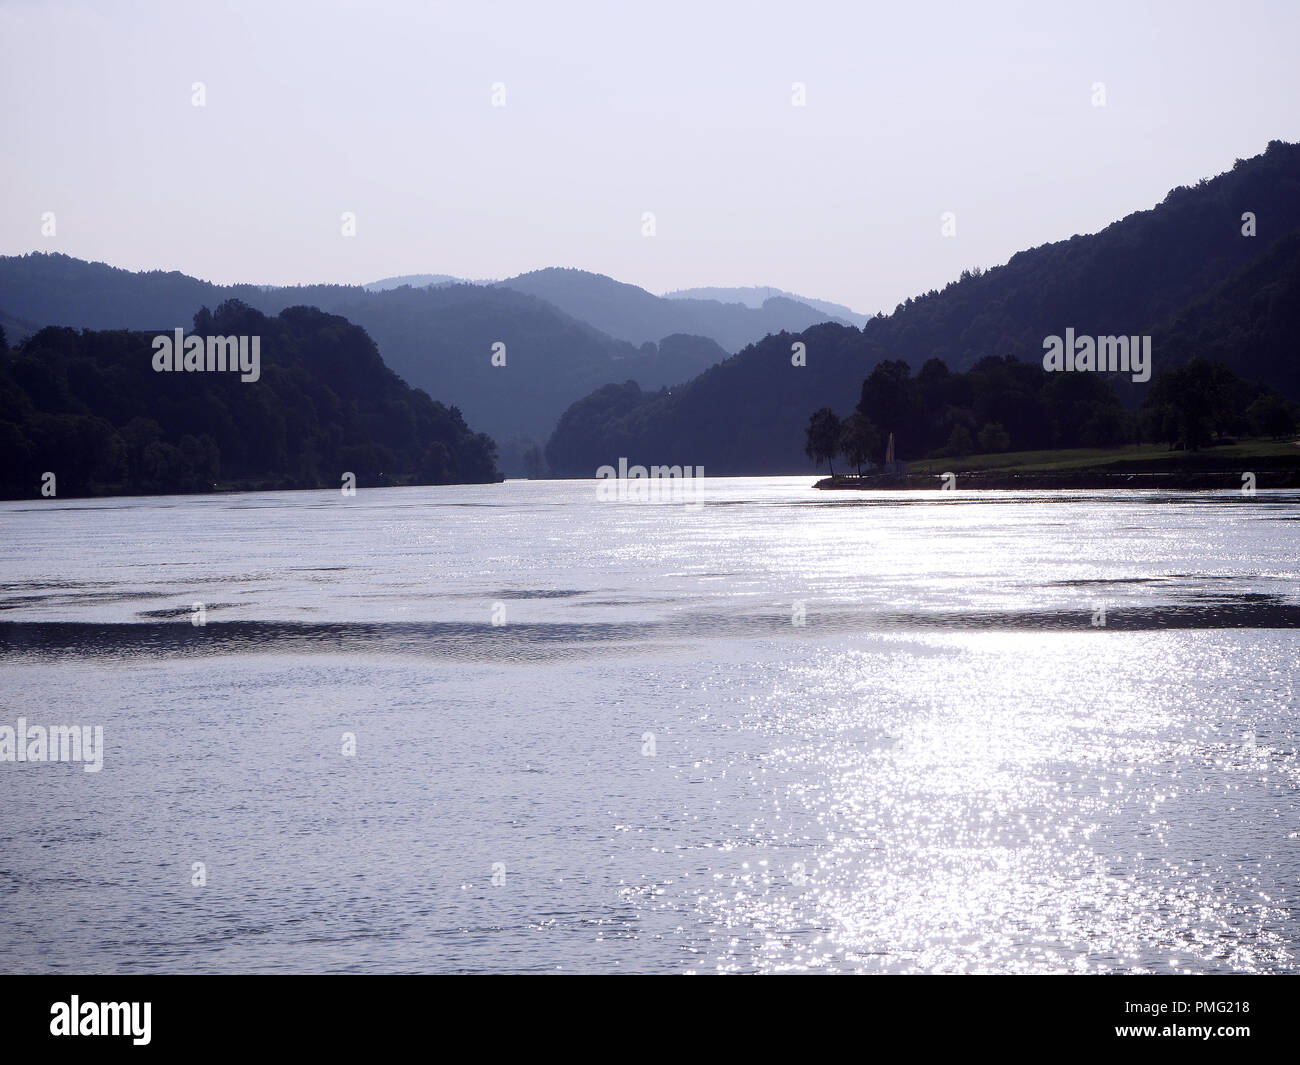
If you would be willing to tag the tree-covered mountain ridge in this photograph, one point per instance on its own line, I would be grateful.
(97, 412)
(564, 332)
(1187, 272)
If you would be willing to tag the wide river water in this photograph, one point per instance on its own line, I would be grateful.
(766, 729)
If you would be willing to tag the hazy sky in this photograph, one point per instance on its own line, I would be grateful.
(611, 110)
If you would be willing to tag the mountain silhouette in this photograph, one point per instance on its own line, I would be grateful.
(440, 339)
(95, 409)
(635, 315)
(1184, 272)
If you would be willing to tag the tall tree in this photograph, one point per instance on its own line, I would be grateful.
(889, 396)
(823, 433)
(859, 439)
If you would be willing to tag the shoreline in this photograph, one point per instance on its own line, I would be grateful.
(993, 480)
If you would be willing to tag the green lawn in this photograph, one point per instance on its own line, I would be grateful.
(1141, 456)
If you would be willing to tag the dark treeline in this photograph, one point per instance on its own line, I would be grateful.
(1003, 404)
(89, 407)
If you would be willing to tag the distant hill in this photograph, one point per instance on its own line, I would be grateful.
(755, 296)
(90, 408)
(56, 289)
(439, 338)
(15, 329)
(414, 280)
(1154, 272)
(632, 314)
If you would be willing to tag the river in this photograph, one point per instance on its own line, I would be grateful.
(519, 728)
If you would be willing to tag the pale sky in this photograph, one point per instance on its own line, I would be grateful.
(612, 110)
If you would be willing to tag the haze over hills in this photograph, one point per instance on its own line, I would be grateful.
(1182, 271)
(439, 339)
(635, 315)
(437, 332)
(16, 329)
(751, 296)
(416, 281)
(1153, 272)
(630, 313)
(754, 296)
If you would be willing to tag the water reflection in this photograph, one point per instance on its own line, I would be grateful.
(1042, 733)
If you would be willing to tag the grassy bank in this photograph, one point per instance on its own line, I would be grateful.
(1275, 464)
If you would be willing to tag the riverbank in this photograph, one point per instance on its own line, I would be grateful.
(1265, 463)
(993, 480)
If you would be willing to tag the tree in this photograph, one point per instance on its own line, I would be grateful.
(889, 397)
(859, 438)
(1107, 426)
(1190, 403)
(1271, 415)
(960, 442)
(994, 438)
(823, 437)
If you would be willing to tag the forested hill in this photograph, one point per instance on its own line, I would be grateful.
(438, 339)
(1249, 321)
(1154, 272)
(90, 408)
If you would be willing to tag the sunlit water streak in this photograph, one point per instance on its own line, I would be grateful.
(949, 767)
